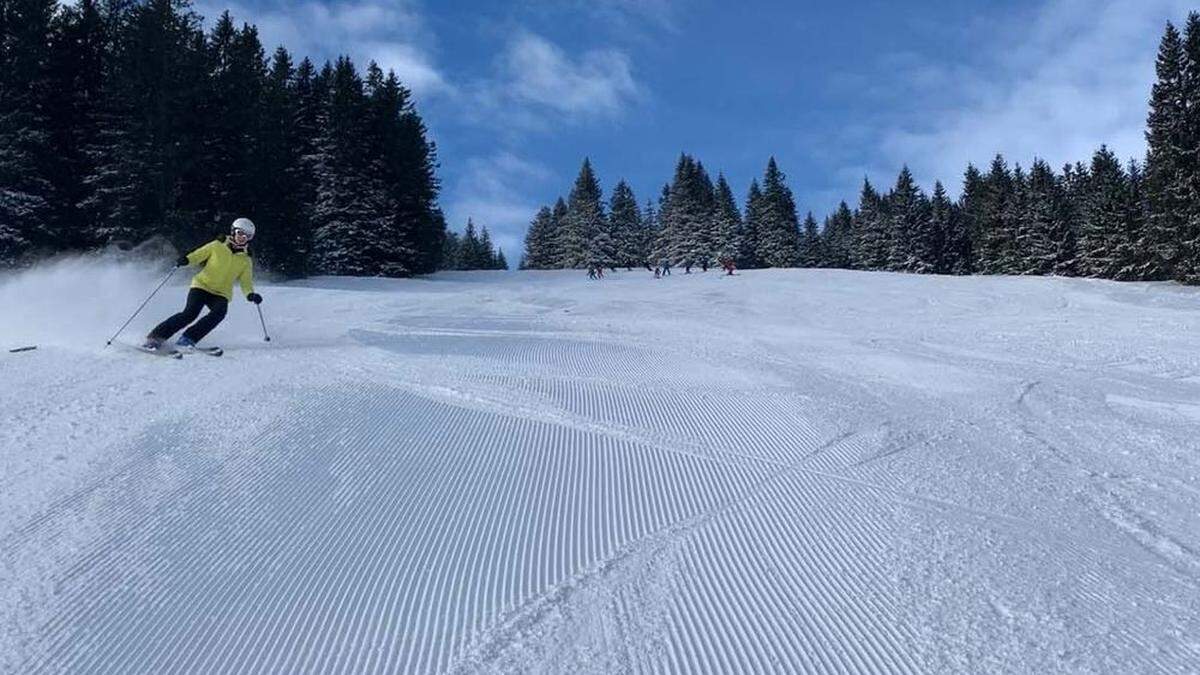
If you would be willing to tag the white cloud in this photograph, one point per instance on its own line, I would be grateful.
(1076, 77)
(493, 191)
(392, 34)
(539, 85)
(627, 14)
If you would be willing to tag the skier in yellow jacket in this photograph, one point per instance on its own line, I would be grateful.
(225, 260)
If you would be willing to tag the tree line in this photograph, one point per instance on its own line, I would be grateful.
(472, 251)
(121, 120)
(1104, 218)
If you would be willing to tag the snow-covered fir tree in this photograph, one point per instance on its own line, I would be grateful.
(727, 223)
(27, 194)
(778, 227)
(837, 238)
(945, 227)
(1105, 216)
(871, 245)
(911, 243)
(1169, 139)
(472, 250)
(648, 235)
(75, 87)
(352, 213)
(625, 226)
(750, 227)
(583, 223)
(558, 223)
(540, 239)
(1132, 259)
(687, 215)
(1187, 267)
(1044, 238)
(811, 252)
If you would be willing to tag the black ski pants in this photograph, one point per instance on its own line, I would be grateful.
(197, 299)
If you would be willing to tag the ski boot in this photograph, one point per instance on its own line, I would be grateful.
(185, 344)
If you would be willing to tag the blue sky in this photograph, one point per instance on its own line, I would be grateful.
(516, 94)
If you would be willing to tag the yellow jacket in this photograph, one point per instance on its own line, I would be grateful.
(221, 267)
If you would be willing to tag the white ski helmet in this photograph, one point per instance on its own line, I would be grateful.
(244, 225)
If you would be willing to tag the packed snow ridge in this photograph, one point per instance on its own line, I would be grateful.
(780, 471)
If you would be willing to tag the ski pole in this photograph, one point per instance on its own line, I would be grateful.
(266, 338)
(139, 309)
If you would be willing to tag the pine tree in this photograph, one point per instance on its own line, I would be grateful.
(811, 253)
(751, 227)
(353, 207)
(702, 250)
(778, 227)
(1044, 237)
(871, 247)
(558, 220)
(471, 255)
(1131, 257)
(411, 159)
(584, 224)
(27, 194)
(277, 164)
(687, 215)
(390, 160)
(838, 238)
(1169, 139)
(1075, 185)
(229, 182)
(1187, 268)
(487, 251)
(451, 252)
(501, 262)
(148, 152)
(648, 234)
(947, 233)
(972, 210)
(728, 243)
(310, 93)
(911, 243)
(539, 242)
(994, 246)
(1105, 216)
(625, 224)
(75, 73)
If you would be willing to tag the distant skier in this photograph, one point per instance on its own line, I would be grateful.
(591, 272)
(666, 268)
(728, 264)
(224, 260)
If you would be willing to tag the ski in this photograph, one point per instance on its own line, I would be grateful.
(210, 351)
(164, 352)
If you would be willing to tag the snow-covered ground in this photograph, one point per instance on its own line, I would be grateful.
(783, 471)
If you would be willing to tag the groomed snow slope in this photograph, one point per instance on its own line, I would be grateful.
(783, 471)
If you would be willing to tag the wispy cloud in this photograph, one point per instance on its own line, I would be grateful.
(538, 86)
(493, 191)
(392, 34)
(1075, 77)
(628, 14)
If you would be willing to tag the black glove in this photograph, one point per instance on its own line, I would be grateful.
(254, 297)
(182, 262)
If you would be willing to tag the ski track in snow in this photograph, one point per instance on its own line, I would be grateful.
(780, 472)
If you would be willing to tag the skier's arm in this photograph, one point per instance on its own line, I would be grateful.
(246, 279)
(201, 254)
